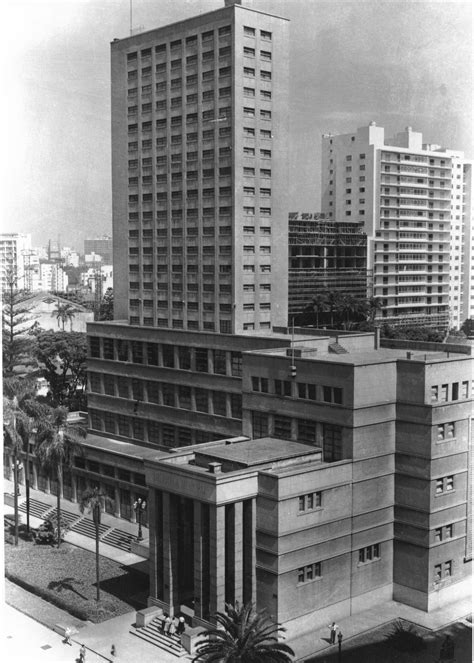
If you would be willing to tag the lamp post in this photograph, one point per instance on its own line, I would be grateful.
(139, 507)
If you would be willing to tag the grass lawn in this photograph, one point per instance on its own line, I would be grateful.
(66, 577)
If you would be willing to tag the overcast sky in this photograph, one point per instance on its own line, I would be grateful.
(397, 62)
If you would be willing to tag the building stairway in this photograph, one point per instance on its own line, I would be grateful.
(153, 634)
(119, 539)
(337, 349)
(86, 527)
(38, 509)
(67, 517)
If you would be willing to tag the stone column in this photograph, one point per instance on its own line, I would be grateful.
(169, 550)
(73, 486)
(116, 501)
(216, 558)
(34, 483)
(198, 560)
(238, 551)
(249, 550)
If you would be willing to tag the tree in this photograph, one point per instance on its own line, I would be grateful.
(106, 309)
(374, 305)
(17, 344)
(25, 412)
(57, 442)
(63, 358)
(319, 305)
(64, 312)
(93, 500)
(243, 636)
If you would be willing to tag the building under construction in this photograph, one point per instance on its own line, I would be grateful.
(325, 255)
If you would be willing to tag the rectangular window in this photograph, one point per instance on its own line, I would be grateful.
(282, 427)
(282, 387)
(369, 553)
(309, 501)
(259, 424)
(309, 572)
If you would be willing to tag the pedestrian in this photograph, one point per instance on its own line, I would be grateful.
(172, 627)
(333, 630)
(82, 654)
(181, 626)
(67, 636)
(113, 651)
(166, 624)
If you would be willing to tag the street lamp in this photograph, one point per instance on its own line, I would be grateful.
(139, 507)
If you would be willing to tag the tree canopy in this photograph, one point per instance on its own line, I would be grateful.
(17, 342)
(243, 635)
(62, 357)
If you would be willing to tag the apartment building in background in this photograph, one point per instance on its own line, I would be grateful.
(199, 173)
(15, 257)
(324, 256)
(406, 194)
(100, 246)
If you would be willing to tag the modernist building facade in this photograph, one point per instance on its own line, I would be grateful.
(199, 173)
(412, 199)
(325, 256)
(354, 492)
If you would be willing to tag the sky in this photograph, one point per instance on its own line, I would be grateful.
(396, 62)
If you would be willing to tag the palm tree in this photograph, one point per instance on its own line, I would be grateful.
(93, 500)
(374, 304)
(242, 636)
(63, 313)
(57, 442)
(319, 305)
(21, 414)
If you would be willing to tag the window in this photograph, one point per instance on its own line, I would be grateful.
(309, 572)
(444, 570)
(444, 485)
(220, 362)
(309, 501)
(282, 427)
(283, 387)
(249, 71)
(446, 431)
(220, 400)
(332, 395)
(249, 32)
(332, 442)
(201, 360)
(236, 364)
(369, 553)
(260, 384)
(443, 533)
(249, 52)
(465, 389)
(264, 34)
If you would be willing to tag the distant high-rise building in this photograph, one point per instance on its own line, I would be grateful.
(199, 173)
(325, 256)
(406, 194)
(15, 252)
(101, 246)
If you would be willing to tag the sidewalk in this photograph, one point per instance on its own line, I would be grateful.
(312, 644)
(99, 638)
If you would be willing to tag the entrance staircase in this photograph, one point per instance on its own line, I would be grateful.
(153, 634)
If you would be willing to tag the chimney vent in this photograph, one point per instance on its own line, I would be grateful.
(215, 468)
(409, 355)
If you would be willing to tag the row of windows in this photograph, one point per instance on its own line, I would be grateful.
(179, 269)
(153, 432)
(454, 391)
(444, 485)
(314, 571)
(190, 41)
(225, 326)
(181, 357)
(193, 231)
(163, 393)
(443, 570)
(307, 431)
(446, 431)
(292, 389)
(192, 60)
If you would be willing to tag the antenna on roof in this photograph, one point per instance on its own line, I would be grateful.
(131, 14)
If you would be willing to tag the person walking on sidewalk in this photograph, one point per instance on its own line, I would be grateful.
(333, 630)
(172, 627)
(82, 654)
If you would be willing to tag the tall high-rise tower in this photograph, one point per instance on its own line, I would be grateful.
(199, 161)
(415, 202)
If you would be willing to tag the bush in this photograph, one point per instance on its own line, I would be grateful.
(404, 637)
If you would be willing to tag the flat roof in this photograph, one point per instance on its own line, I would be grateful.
(257, 452)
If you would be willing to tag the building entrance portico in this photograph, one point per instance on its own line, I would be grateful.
(202, 534)
(202, 554)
